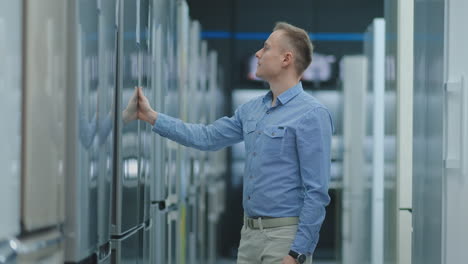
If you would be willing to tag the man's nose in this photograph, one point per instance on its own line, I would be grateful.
(257, 54)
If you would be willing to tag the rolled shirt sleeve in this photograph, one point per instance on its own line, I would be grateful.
(313, 138)
(223, 132)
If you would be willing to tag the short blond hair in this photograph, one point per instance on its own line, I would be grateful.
(301, 45)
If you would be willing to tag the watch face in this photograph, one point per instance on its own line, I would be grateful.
(301, 258)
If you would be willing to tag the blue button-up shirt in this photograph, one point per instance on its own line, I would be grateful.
(287, 168)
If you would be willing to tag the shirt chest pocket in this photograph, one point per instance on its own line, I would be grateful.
(274, 137)
(249, 133)
(249, 126)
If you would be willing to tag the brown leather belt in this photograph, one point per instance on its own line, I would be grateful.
(269, 222)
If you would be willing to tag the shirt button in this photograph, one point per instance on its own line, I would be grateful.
(248, 197)
(259, 132)
(273, 133)
(250, 176)
(254, 154)
(268, 112)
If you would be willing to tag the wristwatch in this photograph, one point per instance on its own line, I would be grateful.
(300, 258)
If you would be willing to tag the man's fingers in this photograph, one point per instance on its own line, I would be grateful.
(134, 95)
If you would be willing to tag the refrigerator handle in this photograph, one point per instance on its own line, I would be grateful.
(464, 129)
(453, 124)
(452, 91)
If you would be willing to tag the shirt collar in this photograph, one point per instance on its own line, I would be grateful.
(286, 96)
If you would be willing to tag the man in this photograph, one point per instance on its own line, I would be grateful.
(287, 136)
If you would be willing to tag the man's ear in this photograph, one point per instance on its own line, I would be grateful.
(288, 58)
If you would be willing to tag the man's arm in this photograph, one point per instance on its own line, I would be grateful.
(223, 132)
(313, 142)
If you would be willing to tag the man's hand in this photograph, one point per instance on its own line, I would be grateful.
(130, 112)
(288, 260)
(145, 112)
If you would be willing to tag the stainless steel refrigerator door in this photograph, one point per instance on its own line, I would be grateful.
(183, 27)
(82, 126)
(202, 219)
(159, 82)
(212, 78)
(90, 98)
(146, 134)
(192, 229)
(127, 193)
(194, 157)
(173, 237)
(106, 111)
(399, 16)
(455, 190)
(194, 93)
(10, 104)
(212, 220)
(129, 248)
(428, 131)
(43, 160)
(374, 46)
(147, 250)
(355, 242)
(172, 172)
(158, 240)
(172, 103)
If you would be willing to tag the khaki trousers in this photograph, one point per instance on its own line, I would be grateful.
(266, 245)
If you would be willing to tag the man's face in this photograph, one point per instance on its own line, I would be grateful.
(270, 57)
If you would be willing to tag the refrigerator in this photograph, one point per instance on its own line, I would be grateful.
(440, 132)
(355, 245)
(374, 49)
(146, 133)
(10, 136)
(130, 204)
(455, 190)
(399, 53)
(183, 153)
(90, 129)
(34, 69)
(196, 94)
(214, 167)
(173, 150)
(202, 193)
(43, 130)
(167, 159)
(162, 163)
(159, 165)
